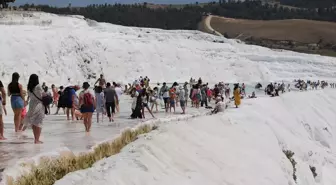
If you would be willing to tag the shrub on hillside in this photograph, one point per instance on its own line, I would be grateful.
(313, 170)
(289, 154)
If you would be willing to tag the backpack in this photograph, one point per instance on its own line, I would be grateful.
(66, 94)
(47, 100)
(87, 99)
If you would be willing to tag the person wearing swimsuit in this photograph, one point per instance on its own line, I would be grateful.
(17, 99)
(102, 81)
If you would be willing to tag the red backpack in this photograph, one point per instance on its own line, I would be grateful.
(88, 99)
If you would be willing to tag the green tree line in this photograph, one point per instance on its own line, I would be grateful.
(309, 3)
(188, 16)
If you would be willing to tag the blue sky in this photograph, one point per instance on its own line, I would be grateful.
(87, 2)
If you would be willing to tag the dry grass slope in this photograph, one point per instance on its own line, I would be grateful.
(305, 31)
(49, 171)
(302, 32)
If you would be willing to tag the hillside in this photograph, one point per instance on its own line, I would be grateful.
(242, 146)
(62, 47)
(298, 35)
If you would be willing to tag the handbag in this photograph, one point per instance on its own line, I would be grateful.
(46, 100)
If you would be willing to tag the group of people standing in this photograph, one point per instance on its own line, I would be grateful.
(144, 97)
(105, 99)
(36, 110)
(38, 100)
(305, 85)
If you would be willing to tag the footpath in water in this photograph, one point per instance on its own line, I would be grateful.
(58, 133)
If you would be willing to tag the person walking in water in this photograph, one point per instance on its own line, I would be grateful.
(35, 114)
(172, 97)
(164, 92)
(182, 98)
(70, 95)
(24, 110)
(110, 100)
(47, 95)
(119, 92)
(186, 93)
(2, 105)
(87, 104)
(15, 91)
(154, 98)
(144, 103)
(101, 81)
(100, 99)
(55, 95)
(61, 100)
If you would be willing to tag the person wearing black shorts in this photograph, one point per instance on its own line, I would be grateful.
(166, 100)
(165, 94)
(110, 99)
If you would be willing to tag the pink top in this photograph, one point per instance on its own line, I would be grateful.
(209, 92)
(24, 112)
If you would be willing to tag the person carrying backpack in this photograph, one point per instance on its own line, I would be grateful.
(61, 100)
(111, 97)
(47, 99)
(87, 104)
(69, 99)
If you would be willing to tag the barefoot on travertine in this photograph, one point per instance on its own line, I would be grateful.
(38, 142)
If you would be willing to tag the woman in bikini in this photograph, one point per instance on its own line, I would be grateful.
(17, 99)
(55, 95)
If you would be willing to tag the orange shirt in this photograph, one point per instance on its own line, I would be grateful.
(172, 93)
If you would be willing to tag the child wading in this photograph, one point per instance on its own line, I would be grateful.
(144, 103)
(55, 95)
(182, 98)
(154, 99)
(87, 103)
(100, 99)
(172, 96)
(24, 110)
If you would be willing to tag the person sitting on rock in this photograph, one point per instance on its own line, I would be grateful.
(219, 107)
(253, 95)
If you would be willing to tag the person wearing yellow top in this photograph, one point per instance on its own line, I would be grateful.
(236, 94)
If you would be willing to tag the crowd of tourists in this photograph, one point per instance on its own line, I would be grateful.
(104, 99)
(310, 85)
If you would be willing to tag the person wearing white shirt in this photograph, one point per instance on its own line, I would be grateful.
(219, 107)
(119, 92)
